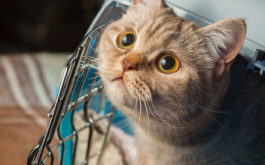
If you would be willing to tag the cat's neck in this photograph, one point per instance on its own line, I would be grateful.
(181, 148)
(192, 135)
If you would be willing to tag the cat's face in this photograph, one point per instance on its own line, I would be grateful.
(157, 64)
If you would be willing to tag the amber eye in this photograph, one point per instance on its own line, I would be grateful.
(126, 40)
(168, 63)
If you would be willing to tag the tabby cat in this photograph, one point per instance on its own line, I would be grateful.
(171, 76)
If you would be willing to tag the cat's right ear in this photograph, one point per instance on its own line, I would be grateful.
(225, 39)
(151, 3)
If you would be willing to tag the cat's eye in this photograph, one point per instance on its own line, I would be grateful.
(126, 40)
(168, 63)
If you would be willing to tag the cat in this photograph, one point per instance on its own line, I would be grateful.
(172, 78)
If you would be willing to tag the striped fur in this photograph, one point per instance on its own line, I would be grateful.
(178, 117)
(27, 91)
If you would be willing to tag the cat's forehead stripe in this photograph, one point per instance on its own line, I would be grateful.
(160, 23)
(166, 27)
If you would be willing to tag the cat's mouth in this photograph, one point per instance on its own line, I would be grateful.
(118, 79)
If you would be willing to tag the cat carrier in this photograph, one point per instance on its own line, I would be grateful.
(80, 94)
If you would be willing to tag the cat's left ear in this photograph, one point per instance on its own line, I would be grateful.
(151, 3)
(225, 39)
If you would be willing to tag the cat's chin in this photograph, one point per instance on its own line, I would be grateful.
(119, 94)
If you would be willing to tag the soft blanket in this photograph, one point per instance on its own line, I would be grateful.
(27, 90)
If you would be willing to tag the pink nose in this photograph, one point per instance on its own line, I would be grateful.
(131, 62)
(127, 65)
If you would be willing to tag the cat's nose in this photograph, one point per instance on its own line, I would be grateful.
(130, 62)
(126, 65)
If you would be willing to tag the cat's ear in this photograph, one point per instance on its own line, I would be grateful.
(225, 39)
(151, 3)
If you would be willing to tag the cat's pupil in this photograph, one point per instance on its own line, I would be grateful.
(168, 63)
(128, 39)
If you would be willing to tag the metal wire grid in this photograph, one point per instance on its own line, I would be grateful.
(79, 68)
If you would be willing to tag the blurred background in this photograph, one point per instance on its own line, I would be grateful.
(49, 25)
(36, 37)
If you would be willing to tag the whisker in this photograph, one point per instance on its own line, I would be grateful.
(135, 106)
(214, 119)
(157, 112)
(89, 66)
(214, 111)
(164, 121)
(140, 116)
(148, 120)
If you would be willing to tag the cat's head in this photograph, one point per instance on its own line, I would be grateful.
(157, 64)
